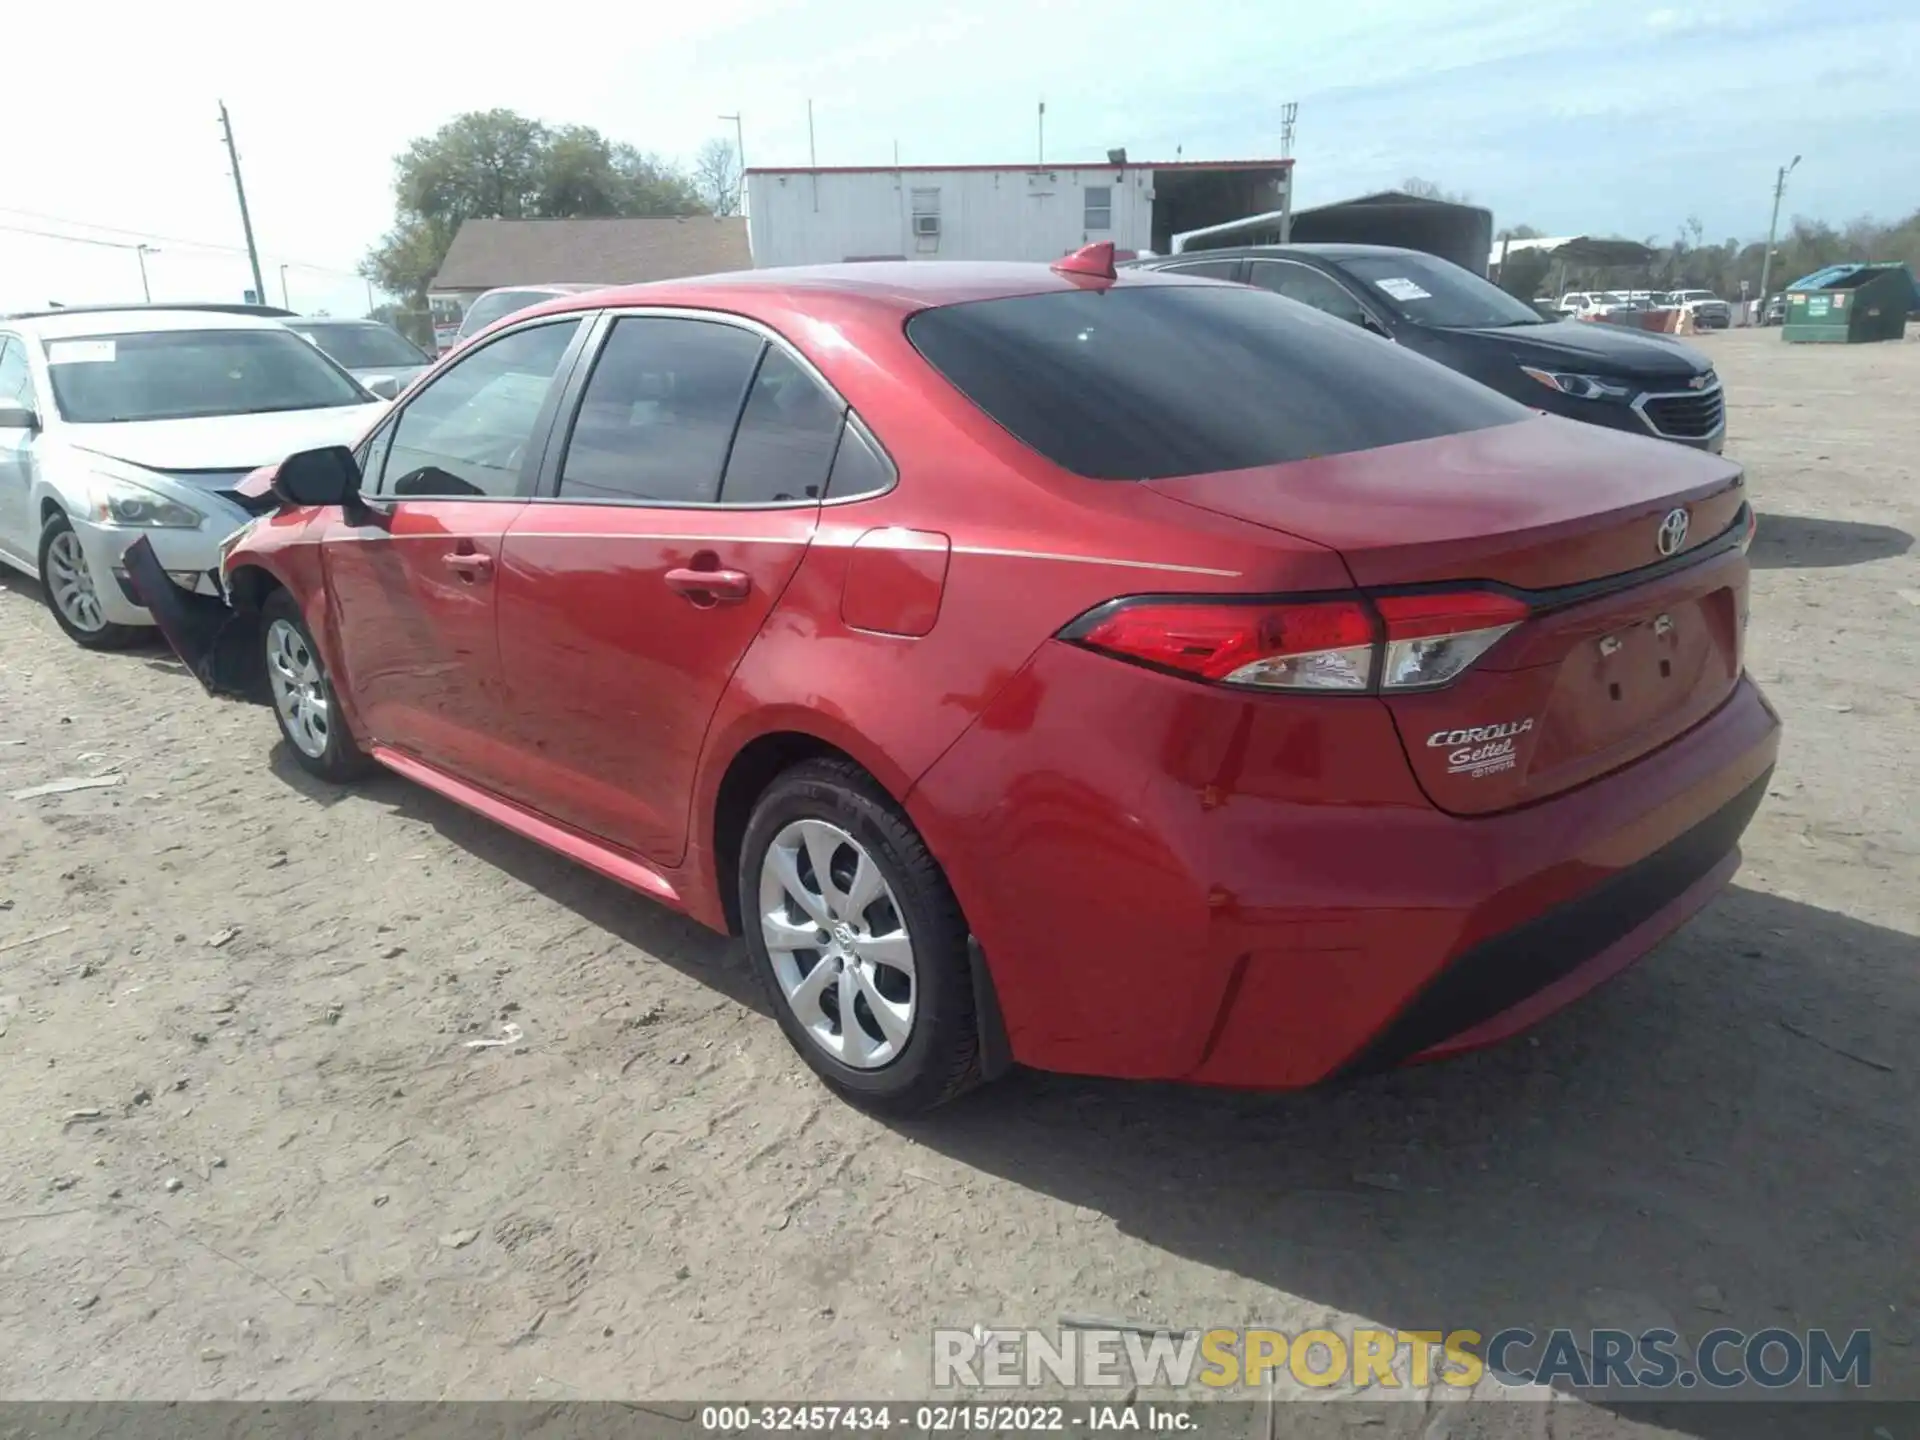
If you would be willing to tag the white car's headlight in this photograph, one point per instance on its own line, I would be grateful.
(116, 500)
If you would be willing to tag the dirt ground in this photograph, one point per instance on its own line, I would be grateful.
(246, 1150)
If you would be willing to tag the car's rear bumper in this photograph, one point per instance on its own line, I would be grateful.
(1252, 892)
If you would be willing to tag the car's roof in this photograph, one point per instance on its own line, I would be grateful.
(902, 286)
(543, 288)
(136, 322)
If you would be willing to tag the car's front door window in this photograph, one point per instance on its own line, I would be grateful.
(658, 415)
(467, 434)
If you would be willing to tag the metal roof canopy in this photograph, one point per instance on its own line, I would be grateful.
(1460, 233)
(1603, 254)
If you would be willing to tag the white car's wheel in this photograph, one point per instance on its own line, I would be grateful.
(72, 591)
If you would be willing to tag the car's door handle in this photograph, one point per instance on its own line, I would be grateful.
(473, 564)
(705, 587)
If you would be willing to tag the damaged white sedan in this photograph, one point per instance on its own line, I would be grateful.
(121, 423)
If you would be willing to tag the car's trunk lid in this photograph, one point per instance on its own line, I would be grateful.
(1632, 639)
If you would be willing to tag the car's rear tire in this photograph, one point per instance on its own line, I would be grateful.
(304, 703)
(867, 972)
(72, 591)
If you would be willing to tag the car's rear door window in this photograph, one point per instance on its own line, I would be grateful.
(1144, 381)
(489, 308)
(787, 436)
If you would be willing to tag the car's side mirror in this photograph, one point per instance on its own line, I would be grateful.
(18, 417)
(385, 386)
(327, 476)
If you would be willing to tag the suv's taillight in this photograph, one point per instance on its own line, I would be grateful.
(1351, 643)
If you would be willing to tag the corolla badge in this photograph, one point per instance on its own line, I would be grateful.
(1478, 751)
(1673, 532)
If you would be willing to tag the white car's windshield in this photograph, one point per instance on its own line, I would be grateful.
(190, 374)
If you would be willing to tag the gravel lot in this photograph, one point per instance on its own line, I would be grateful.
(247, 1152)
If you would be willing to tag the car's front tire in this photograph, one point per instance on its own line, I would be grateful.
(73, 592)
(858, 940)
(304, 702)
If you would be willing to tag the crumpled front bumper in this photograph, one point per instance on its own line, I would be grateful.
(219, 644)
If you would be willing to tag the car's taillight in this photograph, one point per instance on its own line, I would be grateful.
(1351, 643)
(1432, 638)
(1314, 645)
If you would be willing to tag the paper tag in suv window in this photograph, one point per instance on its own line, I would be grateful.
(79, 352)
(1401, 289)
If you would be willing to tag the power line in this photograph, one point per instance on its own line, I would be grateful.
(74, 239)
(175, 240)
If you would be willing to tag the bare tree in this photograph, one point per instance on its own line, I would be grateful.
(716, 174)
(1427, 190)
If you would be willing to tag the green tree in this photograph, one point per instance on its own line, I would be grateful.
(496, 164)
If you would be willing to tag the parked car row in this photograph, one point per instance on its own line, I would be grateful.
(1708, 310)
(1113, 671)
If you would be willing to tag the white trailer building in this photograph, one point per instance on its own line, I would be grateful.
(824, 215)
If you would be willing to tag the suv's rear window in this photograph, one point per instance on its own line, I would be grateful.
(1139, 382)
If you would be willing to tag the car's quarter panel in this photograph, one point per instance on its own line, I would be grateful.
(412, 594)
(1029, 549)
(615, 672)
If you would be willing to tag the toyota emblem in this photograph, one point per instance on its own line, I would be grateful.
(1673, 532)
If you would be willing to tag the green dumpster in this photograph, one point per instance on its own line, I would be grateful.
(1847, 304)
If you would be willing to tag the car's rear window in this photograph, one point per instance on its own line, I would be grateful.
(490, 307)
(1140, 382)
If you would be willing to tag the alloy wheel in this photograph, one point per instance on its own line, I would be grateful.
(839, 944)
(71, 583)
(299, 691)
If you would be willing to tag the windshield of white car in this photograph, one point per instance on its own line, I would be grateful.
(360, 347)
(192, 374)
(1431, 291)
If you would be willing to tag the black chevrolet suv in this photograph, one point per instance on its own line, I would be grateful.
(1602, 374)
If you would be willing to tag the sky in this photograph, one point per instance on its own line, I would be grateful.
(1575, 117)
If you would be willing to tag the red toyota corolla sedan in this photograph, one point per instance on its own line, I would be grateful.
(1138, 676)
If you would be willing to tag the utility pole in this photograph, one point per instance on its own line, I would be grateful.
(284, 301)
(740, 150)
(1773, 226)
(246, 220)
(813, 158)
(1041, 158)
(1289, 113)
(142, 251)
